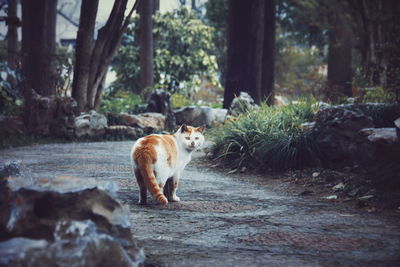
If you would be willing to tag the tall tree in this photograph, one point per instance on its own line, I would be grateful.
(251, 37)
(339, 52)
(12, 34)
(38, 54)
(146, 43)
(101, 54)
(38, 45)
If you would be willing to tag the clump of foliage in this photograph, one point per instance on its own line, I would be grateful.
(268, 138)
(121, 101)
(377, 95)
(10, 88)
(179, 100)
(183, 57)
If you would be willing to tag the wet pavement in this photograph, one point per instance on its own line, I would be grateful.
(224, 220)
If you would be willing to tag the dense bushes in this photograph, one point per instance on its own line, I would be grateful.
(268, 138)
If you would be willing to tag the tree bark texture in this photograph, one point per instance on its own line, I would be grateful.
(12, 36)
(146, 44)
(339, 54)
(38, 45)
(102, 53)
(84, 47)
(251, 38)
(267, 89)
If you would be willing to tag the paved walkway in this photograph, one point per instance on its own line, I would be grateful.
(224, 220)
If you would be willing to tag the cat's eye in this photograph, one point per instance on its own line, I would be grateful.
(187, 138)
(196, 138)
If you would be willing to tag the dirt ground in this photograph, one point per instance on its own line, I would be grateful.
(226, 219)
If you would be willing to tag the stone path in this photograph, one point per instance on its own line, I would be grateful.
(224, 220)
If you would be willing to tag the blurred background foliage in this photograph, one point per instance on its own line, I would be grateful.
(184, 63)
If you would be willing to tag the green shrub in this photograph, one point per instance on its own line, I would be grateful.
(269, 138)
(123, 101)
(377, 95)
(183, 58)
(11, 101)
(179, 100)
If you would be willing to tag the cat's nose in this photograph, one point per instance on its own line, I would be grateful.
(192, 144)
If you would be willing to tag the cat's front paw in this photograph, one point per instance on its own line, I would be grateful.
(176, 199)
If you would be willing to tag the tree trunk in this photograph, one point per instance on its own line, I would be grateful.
(146, 44)
(84, 47)
(38, 45)
(12, 36)
(267, 87)
(339, 55)
(237, 28)
(101, 56)
(38, 54)
(251, 31)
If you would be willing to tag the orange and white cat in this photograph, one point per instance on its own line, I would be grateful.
(156, 158)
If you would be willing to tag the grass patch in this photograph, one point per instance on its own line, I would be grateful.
(268, 138)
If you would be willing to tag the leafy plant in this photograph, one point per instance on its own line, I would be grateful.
(123, 101)
(268, 138)
(10, 91)
(183, 57)
(377, 94)
(178, 101)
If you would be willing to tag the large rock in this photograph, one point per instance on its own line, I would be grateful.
(90, 124)
(64, 221)
(397, 125)
(124, 131)
(197, 116)
(335, 130)
(148, 121)
(372, 145)
(241, 104)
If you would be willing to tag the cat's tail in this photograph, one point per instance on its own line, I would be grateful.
(144, 163)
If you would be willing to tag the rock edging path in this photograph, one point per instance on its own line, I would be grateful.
(222, 220)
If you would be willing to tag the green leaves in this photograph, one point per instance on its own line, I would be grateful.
(182, 54)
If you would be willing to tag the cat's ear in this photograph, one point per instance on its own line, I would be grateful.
(184, 128)
(201, 129)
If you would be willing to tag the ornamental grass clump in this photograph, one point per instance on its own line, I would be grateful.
(267, 138)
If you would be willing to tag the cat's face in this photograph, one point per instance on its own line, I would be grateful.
(191, 137)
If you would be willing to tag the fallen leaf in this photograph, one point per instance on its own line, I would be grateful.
(366, 197)
(331, 197)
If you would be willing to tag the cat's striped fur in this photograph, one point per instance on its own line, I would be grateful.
(156, 158)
